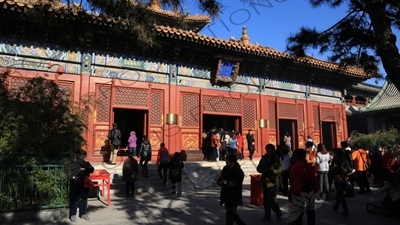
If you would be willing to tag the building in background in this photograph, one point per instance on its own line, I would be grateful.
(383, 112)
(356, 97)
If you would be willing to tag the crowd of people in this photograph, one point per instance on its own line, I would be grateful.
(303, 175)
(219, 143)
(313, 173)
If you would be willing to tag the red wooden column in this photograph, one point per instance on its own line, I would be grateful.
(344, 122)
(84, 91)
(173, 106)
(263, 132)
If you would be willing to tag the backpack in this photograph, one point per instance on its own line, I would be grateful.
(164, 157)
(305, 185)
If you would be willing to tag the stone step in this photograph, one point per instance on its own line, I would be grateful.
(193, 155)
(199, 174)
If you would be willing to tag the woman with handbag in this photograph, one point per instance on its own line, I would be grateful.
(130, 171)
(79, 170)
(340, 168)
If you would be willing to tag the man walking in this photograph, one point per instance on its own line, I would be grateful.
(250, 144)
(270, 167)
(114, 137)
(162, 162)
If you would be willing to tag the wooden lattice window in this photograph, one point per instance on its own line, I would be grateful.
(131, 97)
(16, 83)
(190, 110)
(287, 110)
(156, 106)
(249, 114)
(103, 109)
(338, 119)
(272, 115)
(67, 88)
(315, 112)
(300, 117)
(327, 114)
(218, 104)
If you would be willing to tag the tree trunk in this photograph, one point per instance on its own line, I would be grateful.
(385, 39)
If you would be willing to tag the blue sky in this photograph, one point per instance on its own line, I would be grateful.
(272, 21)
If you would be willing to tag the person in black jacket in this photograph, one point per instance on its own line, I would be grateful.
(250, 144)
(175, 166)
(130, 171)
(231, 181)
(145, 155)
(114, 137)
(79, 169)
(347, 155)
(340, 168)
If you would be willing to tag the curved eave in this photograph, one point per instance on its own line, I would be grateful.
(352, 110)
(388, 99)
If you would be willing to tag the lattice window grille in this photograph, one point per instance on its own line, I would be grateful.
(300, 117)
(131, 97)
(221, 104)
(316, 118)
(16, 83)
(338, 120)
(156, 105)
(327, 114)
(67, 88)
(287, 110)
(103, 109)
(190, 110)
(272, 115)
(249, 109)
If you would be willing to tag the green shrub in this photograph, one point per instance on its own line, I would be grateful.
(38, 187)
(385, 138)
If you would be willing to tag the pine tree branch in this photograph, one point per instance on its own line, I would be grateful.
(340, 21)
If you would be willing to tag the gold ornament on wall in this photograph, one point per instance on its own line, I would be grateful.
(262, 123)
(172, 119)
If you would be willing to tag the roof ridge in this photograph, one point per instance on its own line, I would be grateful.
(308, 60)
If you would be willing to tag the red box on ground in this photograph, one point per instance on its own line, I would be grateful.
(256, 193)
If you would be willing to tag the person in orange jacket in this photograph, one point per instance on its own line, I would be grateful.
(361, 163)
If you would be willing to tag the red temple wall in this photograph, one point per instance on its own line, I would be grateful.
(189, 104)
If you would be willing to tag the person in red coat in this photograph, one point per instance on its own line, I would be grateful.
(240, 146)
(304, 189)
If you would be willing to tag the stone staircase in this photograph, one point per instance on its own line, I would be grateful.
(194, 155)
(196, 175)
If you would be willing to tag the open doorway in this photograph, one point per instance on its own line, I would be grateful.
(289, 126)
(329, 135)
(228, 123)
(131, 120)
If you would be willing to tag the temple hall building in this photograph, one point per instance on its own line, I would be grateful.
(188, 83)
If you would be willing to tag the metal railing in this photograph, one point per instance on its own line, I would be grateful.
(33, 187)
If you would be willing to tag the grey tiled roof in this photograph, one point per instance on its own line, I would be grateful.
(387, 98)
